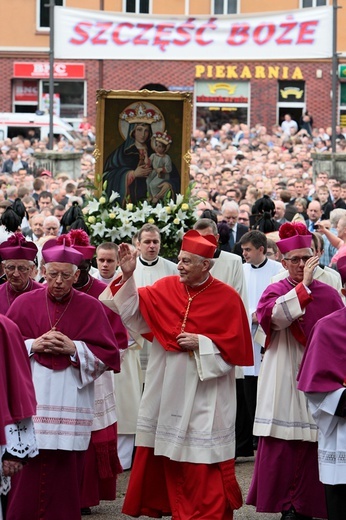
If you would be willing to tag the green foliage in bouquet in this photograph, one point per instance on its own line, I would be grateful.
(107, 221)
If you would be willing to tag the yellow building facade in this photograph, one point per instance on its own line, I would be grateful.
(259, 85)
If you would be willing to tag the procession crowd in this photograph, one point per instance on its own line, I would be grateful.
(115, 357)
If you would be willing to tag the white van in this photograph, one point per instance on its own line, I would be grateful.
(12, 125)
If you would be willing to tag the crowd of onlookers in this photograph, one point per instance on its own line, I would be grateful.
(234, 163)
(42, 194)
(241, 178)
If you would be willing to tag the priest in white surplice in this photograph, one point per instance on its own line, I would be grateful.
(258, 270)
(129, 382)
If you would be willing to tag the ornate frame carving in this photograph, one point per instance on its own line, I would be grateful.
(176, 108)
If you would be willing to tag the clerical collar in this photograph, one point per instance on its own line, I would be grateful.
(292, 282)
(199, 285)
(63, 299)
(26, 288)
(149, 264)
(260, 265)
(85, 285)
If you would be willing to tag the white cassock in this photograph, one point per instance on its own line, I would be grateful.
(282, 410)
(257, 280)
(331, 436)
(129, 382)
(96, 274)
(228, 268)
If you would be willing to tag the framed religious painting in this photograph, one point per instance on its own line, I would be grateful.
(143, 144)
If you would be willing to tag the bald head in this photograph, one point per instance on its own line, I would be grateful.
(314, 211)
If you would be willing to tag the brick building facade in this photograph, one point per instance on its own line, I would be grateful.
(268, 88)
(263, 78)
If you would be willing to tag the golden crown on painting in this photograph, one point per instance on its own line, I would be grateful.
(163, 137)
(140, 114)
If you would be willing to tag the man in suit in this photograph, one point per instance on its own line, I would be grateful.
(35, 232)
(230, 214)
(314, 212)
(280, 209)
(299, 188)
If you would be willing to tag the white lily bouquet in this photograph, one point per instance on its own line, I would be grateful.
(108, 221)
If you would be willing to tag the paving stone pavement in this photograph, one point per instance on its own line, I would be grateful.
(244, 469)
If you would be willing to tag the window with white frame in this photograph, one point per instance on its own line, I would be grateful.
(42, 11)
(137, 6)
(313, 3)
(225, 6)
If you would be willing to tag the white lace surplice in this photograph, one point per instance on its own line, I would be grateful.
(21, 443)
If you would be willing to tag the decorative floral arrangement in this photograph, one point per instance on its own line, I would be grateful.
(108, 221)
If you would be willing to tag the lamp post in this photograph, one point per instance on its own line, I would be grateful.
(102, 7)
(334, 76)
(51, 72)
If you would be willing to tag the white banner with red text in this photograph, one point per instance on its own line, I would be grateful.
(298, 34)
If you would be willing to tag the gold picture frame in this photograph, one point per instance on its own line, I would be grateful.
(128, 160)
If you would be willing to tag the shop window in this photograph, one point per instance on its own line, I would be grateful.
(137, 6)
(225, 6)
(25, 95)
(291, 92)
(69, 98)
(219, 103)
(342, 108)
(313, 3)
(43, 12)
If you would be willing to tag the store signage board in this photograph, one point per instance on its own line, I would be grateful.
(40, 70)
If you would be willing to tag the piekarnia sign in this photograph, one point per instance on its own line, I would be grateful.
(86, 34)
